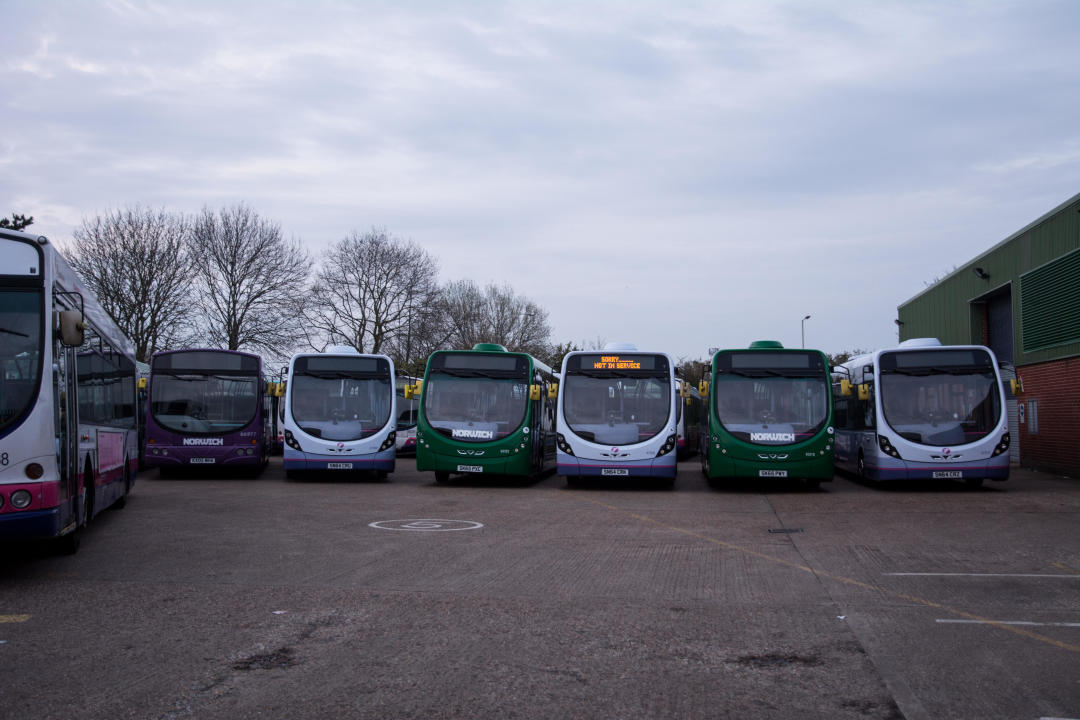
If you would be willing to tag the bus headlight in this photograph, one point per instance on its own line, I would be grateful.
(20, 499)
(291, 441)
(34, 471)
(887, 448)
(388, 442)
(563, 445)
(669, 445)
(1002, 446)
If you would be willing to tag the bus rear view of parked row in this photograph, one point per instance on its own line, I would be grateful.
(68, 411)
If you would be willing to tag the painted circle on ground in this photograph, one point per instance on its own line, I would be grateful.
(426, 525)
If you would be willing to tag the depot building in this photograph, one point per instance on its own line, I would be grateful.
(1021, 298)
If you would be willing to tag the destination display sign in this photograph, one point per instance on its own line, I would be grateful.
(612, 361)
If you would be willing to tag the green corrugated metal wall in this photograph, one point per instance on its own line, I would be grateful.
(945, 310)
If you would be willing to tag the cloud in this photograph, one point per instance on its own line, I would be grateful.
(693, 175)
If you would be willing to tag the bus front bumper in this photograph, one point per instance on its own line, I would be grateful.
(729, 466)
(305, 462)
(890, 468)
(30, 525)
(572, 466)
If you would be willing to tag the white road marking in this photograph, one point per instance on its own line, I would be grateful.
(1018, 575)
(1007, 622)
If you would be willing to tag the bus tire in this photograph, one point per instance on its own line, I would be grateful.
(68, 544)
(88, 494)
(860, 468)
(442, 477)
(121, 502)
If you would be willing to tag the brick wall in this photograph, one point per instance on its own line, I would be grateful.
(1056, 387)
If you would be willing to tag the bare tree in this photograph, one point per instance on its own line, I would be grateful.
(495, 314)
(137, 264)
(251, 280)
(377, 293)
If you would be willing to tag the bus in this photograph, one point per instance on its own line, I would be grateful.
(770, 415)
(688, 428)
(207, 407)
(618, 415)
(68, 410)
(407, 410)
(485, 411)
(339, 413)
(922, 411)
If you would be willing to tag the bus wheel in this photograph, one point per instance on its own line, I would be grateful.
(88, 494)
(973, 483)
(121, 502)
(442, 477)
(861, 468)
(68, 544)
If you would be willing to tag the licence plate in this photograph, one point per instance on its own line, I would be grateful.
(338, 466)
(203, 461)
(614, 471)
(470, 468)
(772, 473)
(943, 474)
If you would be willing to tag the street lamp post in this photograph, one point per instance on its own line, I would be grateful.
(804, 330)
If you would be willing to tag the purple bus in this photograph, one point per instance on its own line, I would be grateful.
(207, 407)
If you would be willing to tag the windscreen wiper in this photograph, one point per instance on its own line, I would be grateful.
(14, 332)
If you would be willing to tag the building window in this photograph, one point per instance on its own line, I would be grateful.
(1033, 417)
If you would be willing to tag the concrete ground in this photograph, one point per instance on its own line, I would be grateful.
(234, 598)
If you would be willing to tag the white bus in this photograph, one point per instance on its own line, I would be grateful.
(68, 428)
(340, 413)
(617, 415)
(922, 410)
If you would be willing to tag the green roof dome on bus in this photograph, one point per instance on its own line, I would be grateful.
(766, 345)
(489, 347)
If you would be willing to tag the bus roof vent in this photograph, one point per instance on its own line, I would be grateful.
(341, 350)
(921, 342)
(766, 345)
(489, 347)
(620, 347)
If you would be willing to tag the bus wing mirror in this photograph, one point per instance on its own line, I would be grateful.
(864, 391)
(553, 391)
(845, 387)
(142, 383)
(72, 328)
(534, 392)
(1017, 386)
(703, 388)
(684, 390)
(413, 391)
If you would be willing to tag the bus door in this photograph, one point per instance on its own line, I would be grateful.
(65, 389)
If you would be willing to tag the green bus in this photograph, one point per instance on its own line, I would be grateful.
(485, 411)
(769, 415)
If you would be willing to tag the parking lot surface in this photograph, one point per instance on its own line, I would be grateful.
(213, 597)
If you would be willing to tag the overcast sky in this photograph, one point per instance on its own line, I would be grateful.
(677, 175)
